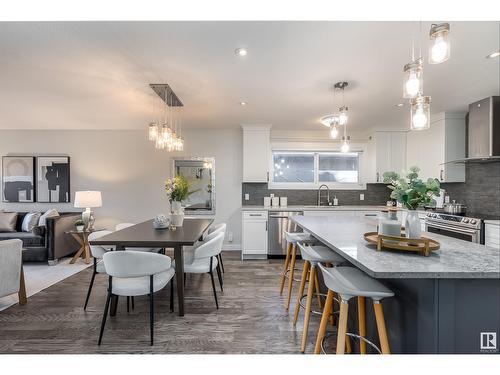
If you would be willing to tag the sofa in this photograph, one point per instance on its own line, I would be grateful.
(47, 243)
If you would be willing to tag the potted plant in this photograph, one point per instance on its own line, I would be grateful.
(177, 190)
(80, 225)
(412, 193)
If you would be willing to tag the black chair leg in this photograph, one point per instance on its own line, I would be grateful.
(221, 263)
(172, 295)
(90, 289)
(151, 308)
(104, 318)
(213, 287)
(128, 304)
(133, 305)
(185, 274)
(219, 275)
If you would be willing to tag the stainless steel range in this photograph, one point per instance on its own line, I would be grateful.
(461, 227)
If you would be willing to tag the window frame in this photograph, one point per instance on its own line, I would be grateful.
(315, 149)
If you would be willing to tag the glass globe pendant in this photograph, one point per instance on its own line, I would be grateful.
(420, 113)
(439, 50)
(152, 131)
(334, 131)
(343, 117)
(413, 81)
(345, 145)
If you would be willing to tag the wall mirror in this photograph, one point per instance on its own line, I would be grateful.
(200, 173)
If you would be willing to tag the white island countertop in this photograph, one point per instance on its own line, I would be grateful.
(314, 208)
(456, 259)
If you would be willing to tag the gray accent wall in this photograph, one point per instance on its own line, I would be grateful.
(375, 194)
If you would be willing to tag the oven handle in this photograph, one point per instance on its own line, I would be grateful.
(454, 229)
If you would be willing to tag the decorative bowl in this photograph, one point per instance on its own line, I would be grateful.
(161, 221)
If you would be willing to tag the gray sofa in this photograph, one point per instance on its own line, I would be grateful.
(48, 243)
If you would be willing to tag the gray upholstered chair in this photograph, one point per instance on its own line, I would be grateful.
(10, 266)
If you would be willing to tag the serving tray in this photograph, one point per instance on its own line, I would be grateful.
(423, 245)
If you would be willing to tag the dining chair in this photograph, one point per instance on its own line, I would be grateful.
(203, 259)
(10, 266)
(121, 226)
(97, 252)
(217, 229)
(135, 273)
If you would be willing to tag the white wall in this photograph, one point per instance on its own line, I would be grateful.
(130, 172)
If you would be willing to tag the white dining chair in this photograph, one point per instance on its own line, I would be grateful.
(97, 252)
(10, 266)
(121, 226)
(134, 273)
(203, 259)
(217, 229)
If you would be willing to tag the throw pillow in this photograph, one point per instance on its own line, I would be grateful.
(8, 221)
(50, 213)
(30, 221)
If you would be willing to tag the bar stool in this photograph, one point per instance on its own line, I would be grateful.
(291, 252)
(312, 256)
(350, 282)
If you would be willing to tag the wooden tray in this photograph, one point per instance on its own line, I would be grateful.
(423, 245)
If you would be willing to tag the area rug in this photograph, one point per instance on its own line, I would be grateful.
(39, 276)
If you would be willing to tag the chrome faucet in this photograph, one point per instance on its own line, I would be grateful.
(327, 196)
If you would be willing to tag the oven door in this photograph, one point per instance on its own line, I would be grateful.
(470, 235)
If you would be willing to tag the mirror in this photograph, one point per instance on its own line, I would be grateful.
(200, 173)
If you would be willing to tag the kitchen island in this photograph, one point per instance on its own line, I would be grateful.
(443, 302)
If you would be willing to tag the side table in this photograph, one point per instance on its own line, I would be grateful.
(82, 237)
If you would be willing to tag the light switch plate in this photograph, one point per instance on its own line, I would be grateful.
(361, 197)
(247, 197)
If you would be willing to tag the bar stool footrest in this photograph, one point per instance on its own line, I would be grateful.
(353, 335)
(316, 312)
(295, 270)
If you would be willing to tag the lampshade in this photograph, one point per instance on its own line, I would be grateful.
(84, 199)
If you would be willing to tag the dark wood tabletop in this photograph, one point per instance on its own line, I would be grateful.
(144, 235)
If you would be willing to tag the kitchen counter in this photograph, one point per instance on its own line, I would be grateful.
(455, 258)
(314, 208)
(442, 303)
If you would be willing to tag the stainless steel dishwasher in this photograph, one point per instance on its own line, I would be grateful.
(279, 223)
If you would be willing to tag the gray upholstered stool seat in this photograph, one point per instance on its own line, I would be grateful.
(349, 282)
(294, 238)
(318, 253)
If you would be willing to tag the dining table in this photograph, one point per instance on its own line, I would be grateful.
(145, 235)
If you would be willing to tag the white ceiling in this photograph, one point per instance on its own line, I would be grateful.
(88, 75)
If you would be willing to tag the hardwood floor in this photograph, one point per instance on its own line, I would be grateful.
(251, 317)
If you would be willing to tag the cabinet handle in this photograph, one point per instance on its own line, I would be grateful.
(267, 176)
(266, 225)
(378, 175)
(441, 174)
(254, 215)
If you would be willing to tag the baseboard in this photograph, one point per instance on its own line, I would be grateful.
(231, 247)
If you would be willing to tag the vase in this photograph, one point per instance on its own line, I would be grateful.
(177, 219)
(412, 225)
(176, 207)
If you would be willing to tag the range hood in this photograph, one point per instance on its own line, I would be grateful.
(483, 132)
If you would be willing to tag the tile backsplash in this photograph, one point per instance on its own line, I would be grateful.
(375, 194)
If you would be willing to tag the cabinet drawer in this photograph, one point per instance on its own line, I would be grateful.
(255, 214)
(492, 243)
(492, 231)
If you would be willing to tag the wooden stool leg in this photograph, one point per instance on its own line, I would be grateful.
(362, 323)
(290, 276)
(285, 268)
(342, 328)
(307, 316)
(382, 332)
(324, 321)
(303, 279)
(316, 279)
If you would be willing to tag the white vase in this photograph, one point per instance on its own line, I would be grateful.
(177, 219)
(176, 207)
(412, 225)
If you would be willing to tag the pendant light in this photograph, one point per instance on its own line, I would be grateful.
(439, 50)
(420, 113)
(334, 131)
(345, 145)
(413, 82)
(343, 111)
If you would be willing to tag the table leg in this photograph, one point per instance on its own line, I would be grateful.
(22, 289)
(114, 299)
(79, 252)
(87, 247)
(179, 271)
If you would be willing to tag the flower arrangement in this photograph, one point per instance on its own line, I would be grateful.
(410, 190)
(177, 189)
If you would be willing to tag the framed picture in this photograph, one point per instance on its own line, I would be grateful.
(52, 179)
(18, 177)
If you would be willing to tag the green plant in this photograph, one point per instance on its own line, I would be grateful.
(177, 188)
(79, 222)
(410, 190)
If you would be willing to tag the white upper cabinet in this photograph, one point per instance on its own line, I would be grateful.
(256, 141)
(430, 149)
(387, 150)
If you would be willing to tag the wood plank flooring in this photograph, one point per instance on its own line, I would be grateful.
(251, 317)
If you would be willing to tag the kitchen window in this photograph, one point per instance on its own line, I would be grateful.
(310, 169)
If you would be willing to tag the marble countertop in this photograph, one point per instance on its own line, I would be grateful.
(314, 208)
(456, 259)
(493, 222)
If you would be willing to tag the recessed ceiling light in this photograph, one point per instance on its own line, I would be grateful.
(399, 105)
(493, 55)
(243, 104)
(241, 52)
